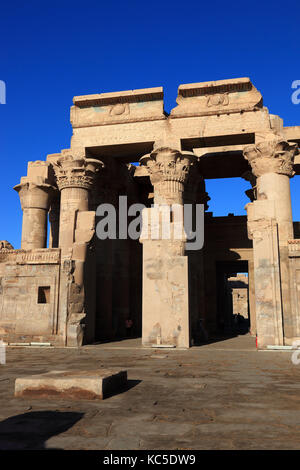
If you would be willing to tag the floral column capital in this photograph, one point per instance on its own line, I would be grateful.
(271, 156)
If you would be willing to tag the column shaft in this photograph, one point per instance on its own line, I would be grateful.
(276, 187)
(34, 228)
(73, 199)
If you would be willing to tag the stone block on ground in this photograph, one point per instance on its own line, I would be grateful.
(76, 385)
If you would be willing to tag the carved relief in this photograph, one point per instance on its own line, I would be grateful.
(219, 99)
(256, 228)
(119, 109)
(294, 248)
(37, 256)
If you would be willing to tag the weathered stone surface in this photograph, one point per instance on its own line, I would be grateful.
(222, 96)
(118, 107)
(84, 288)
(75, 385)
(239, 286)
(271, 156)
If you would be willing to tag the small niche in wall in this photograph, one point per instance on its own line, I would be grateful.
(44, 295)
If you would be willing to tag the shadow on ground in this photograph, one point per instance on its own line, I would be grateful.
(32, 430)
(130, 384)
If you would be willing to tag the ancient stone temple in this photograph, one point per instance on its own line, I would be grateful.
(68, 286)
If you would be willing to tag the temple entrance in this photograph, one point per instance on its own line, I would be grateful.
(233, 316)
(118, 296)
(119, 290)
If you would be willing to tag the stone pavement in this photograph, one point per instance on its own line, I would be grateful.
(225, 395)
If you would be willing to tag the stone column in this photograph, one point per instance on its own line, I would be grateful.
(35, 201)
(74, 179)
(272, 165)
(166, 318)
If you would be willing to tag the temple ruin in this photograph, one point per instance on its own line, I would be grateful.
(72, 288)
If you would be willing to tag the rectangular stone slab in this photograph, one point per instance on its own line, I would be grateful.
(75, 385)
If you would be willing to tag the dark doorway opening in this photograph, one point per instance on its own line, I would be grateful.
(233, 317)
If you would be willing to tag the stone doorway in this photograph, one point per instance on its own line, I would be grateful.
(118, 296)
(233, 313)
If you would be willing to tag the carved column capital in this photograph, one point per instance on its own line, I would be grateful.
(168, 170)
(166, 164)
(34, 195)
(76, 173)
(271, 156)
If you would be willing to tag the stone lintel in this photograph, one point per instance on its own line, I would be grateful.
(219, 97)
(218, 86)
(128, 96)
(292, 133)
(118, 107)
(199, 151)
(74, 385)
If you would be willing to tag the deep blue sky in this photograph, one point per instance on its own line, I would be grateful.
(53, 51)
